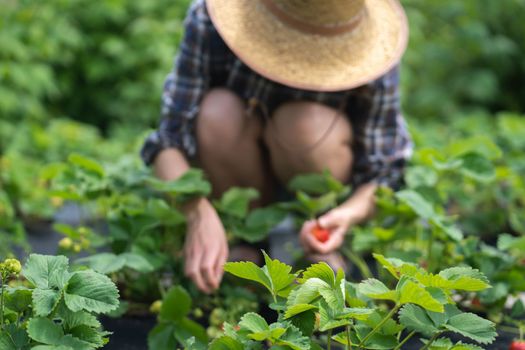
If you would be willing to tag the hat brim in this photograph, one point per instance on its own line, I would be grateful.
(307, 61)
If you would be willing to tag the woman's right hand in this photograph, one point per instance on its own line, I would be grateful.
(206, 246)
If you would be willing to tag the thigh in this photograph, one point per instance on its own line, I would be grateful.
(306, 137)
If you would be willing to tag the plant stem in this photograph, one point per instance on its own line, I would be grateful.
(329, 341)
(359, 262)
(429, 251)
(434, 337)
(405, 340)
(379, 325)
(348, 341)
(2, 302)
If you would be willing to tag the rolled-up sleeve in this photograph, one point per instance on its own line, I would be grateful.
(383, 139)
(183, 89)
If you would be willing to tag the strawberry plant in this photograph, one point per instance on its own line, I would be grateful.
(317, 307)
(45, 305)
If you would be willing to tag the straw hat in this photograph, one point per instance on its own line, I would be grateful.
(322, 45)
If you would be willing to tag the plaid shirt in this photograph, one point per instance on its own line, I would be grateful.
(381, 140)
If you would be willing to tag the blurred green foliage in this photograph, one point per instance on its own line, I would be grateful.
(104, 62)
(464, 56)
(95, 61)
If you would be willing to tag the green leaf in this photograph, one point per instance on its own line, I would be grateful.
(391, 264)
(105, 263)
(254, 323)
(305, 321)
(306, 292)
(44, 331)
(137, 262)
(248, 270)
(472, 326)
(86, 164)
(190, 183)
(278, 273)
(45, 271)
(294, 339)
(418, 176)
(477, 167)
(236, 201)
(91, 291)
(14, 338)
(186, 328)
(416, 319)
(375, 289)
(320, 270)
(225, 343)
(358, 313)
(415, 294)
(18, 300)
(297, 309)
(80, 318)
(162, 337)
(315, 184)
(45, 301)
(88, 334)
(175, 305)
(465, 278)
(417, 203)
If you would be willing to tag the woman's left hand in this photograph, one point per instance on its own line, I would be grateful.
(337, 222)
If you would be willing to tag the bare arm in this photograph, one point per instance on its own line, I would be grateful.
(204, 257)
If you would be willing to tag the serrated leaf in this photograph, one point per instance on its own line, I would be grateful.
(176, 304)
(305, 321)
(416, 319)
(45, 300)
(294, 339)
(415, 294)
(248, 270)
(358, 313)
(44, 331)
(472, 326)
(91, 291)
(254, 323)
(186, 328)
(320, 270)
(74, 319)
(306, 292)
(297, 309)
(391, 264)
(375, 289)
(46, 272)
(88, 334)
(278, 273)
(190, 183)
(465, 278)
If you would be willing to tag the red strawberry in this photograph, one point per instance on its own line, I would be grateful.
(517, 345)
(321, 234)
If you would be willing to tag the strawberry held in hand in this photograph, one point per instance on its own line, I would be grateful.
(321, 234)
(517, 345)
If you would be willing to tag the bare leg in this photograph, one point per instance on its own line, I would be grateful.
(230, 148)
(295, 128)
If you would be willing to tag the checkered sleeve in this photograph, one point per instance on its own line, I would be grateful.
(183, 89)
(383, 140)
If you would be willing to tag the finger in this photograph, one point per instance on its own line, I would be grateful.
(333, 243)
(208, 272)
(193, 272)
(219, 264)
(328, 220)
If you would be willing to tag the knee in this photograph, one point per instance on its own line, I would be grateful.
(221, 121)
(310, 137)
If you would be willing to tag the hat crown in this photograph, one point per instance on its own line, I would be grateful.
(324, 13)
